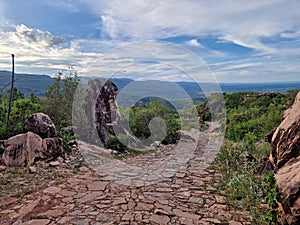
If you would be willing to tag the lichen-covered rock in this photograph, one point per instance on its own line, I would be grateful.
(22, 149)
(286, 138)
(285, 156)
(41, 124)
(53, 148)
(101, 107)
(25, 149)
(288, 181)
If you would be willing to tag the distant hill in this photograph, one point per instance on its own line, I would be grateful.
(131, 90)
(26, 83)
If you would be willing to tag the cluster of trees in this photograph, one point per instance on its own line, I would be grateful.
(255, 116)
(21, 108)
(57, 103)
(246, 179)
(140, 117)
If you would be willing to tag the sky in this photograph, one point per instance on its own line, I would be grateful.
(173, 40)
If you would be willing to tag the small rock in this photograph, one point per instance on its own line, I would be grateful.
(54, 163)
(220, 199)
(113, 152)
(84, 169)
(159, 219)
(232, 222)
(37, 222)
(155, 144)
(2, 168)
(81, 222)
(51, 190)
(32, 169)
(60, 159)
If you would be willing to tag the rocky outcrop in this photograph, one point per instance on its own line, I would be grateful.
(101, 107)
(41, 124)
(22, 149)
(288, 181)
(25, 149)
(285, 157)
(38, 143)
(286, 138)
(258, 95)
(101, 110)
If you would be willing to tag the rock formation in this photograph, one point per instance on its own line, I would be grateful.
(258, 95)
(41, 124)
(38, 143)
(25, 149)
(286, 138)
(285, 157)
(101, 108)
(104, 118)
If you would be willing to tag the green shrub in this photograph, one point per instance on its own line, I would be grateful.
(59, 98)
(118, 143)
(21, 109)
(140, 117)
(66, 137)
(272, 197)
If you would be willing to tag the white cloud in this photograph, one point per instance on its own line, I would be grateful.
(39, 51)
(72, 6)
(247, 24)
(36, 37)
(154, 19)
(195, 43)
(295, 34)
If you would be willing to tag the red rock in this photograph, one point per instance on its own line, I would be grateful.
(180, 213)
(286, 138)
(285, 156)
(143, 207)
(37, 222)
(159, 219)
(41, 124)
(97, 186)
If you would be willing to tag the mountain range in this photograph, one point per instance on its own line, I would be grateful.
(130, 89)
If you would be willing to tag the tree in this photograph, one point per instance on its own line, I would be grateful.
(21, 109)
(140, 117)
(59, 97)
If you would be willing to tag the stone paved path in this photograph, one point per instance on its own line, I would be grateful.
(181, 195)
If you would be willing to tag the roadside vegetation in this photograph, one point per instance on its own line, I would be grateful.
(248, 181)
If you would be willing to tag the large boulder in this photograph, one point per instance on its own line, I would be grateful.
(22, 149)
(25, 149)
(286, 138)
(285, 157)
(41, 124)
(101, 107)
(53, 148)
(288, 181)
(102, 112)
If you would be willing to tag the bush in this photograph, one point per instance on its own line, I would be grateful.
(118, 143)
(242, 187)
(21, 109)
(59, 98)
(66, 137)
(140, 117)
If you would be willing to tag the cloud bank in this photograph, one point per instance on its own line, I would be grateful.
(240, 41)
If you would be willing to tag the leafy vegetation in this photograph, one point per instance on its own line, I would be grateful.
(255, 115)
(21, 108)
(243, 155)
(141, 116)
(57, 104)
(59, 98)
